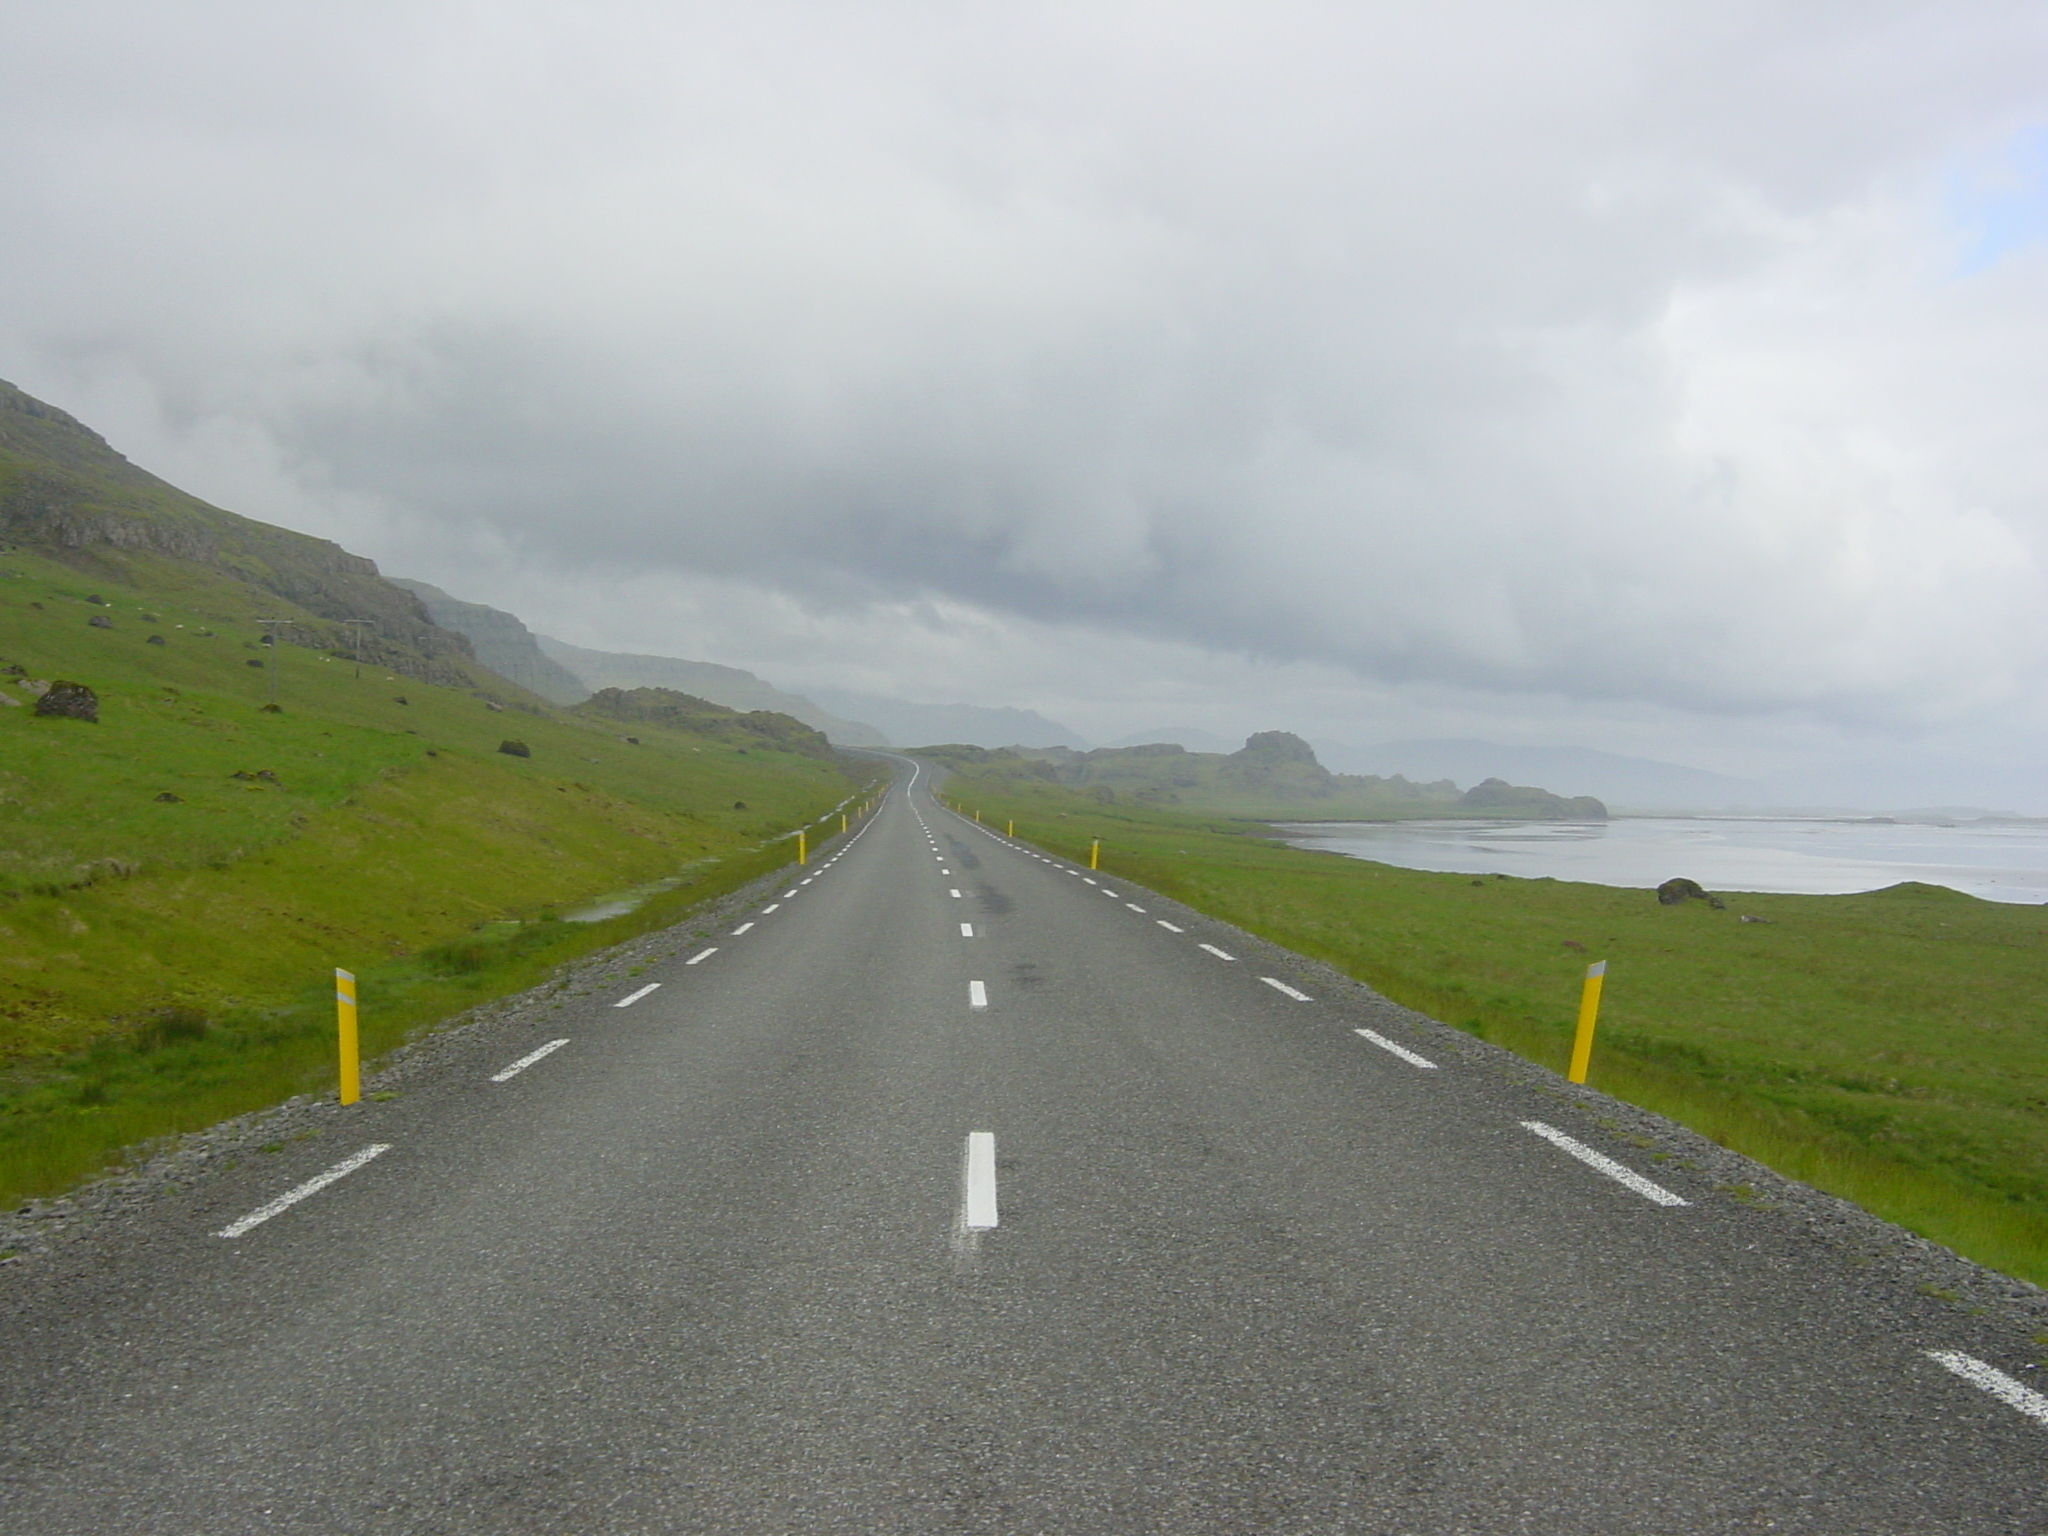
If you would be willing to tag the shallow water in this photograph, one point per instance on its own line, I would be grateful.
(2001, 861)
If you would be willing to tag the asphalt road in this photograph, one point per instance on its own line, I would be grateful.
(961, 1191)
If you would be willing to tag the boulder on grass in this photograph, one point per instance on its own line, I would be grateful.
(515, 749)
(1673, 893)
(70, 701)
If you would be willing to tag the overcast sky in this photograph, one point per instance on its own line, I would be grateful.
(1665, 379)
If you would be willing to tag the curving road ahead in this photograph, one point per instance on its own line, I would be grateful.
(950, 1188)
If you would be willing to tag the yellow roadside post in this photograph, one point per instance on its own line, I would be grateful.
(1095, 854)
(351, 1060)
(842, 821)
(977, 818)
(1589, 1013)
(800, 846)
(1013, 828)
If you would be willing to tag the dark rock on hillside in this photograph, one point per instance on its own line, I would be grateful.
(1674, 893)
(69, 701)
(1497, 797)
(154, 640)
(515, 749)
(100, 621)
(686, 712)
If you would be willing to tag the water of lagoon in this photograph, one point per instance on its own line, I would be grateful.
(1997, 860)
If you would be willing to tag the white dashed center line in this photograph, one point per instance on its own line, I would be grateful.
(977, 995)
(633, 997)
(1280, 986)
(702, 954)
(978, 1183)
(1401, 1051)
(1090, 879)
(1134, 906)
(773, 906)
(1219, 954)
(786, 895)
(526, 1061)
(743, 927)
(1606, 1165)
(1162, 922)
(955, 894)
(967, 930)
(2001, 1386)
(312, 1186)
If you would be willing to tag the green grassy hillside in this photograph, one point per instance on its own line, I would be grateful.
(1891, 1048)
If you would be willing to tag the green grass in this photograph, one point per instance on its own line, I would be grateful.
(167, 962)
(1891, 1048)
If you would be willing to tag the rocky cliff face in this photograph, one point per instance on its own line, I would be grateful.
(501, 642)
(64, 490)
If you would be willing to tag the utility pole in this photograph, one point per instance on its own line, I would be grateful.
(271, 627)
(357, 631)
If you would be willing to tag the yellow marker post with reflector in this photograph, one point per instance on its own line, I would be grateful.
(1013, 828)
(351, 1057)
(800, 847)
(842, 821)
(1095, 854)
(1589, 1014)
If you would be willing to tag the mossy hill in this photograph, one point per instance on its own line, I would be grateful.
(1273, 776)
(245, 816)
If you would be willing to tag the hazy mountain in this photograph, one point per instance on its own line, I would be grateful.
(1636, 782)
(501, 642)
(1193, 737)
(729, 686)
(919, 725)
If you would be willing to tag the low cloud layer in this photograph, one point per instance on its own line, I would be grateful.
(1608, 363)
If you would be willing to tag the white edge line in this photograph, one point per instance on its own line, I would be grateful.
(702, 954)
(1401, 1051)
(2001, 1386)
(978, 1195)
(1606, 1165)
(977, 994)
(633, 997)
(312, 1186)
(1280, 986)
(527, 1060)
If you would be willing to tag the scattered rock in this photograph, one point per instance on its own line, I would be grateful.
(496, 709)
(100, 621)
(167, 798)
(70, 701)
(272, 709)
(1672, 892)
(515, 749)
(94, 597)
(264, 774)
(739, 805)
(10, 700)
(35, 685)
(154, 640)
(1749, 917)
(399, 698)
(252, 662)
(631, 741)
(1717, 904)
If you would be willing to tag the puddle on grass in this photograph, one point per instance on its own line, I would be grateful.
(619, 903)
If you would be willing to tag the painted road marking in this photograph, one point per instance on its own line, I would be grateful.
(743, 927)
(773, 906)
(1994, 1381)
(1089, 879)
(954, 893)
(1280, 986)
(787, 895)
(1162, 922)
(1401, 1051)
(312, 1186)
(978, 1183)
(702, 954)
(633, 997)
(526, 1061)
(967, 930)
(1112, 895)
(944, 871)
(1219, 954)
(807, 879)
(1134, 906)
(977, 995)
(1606, 1165)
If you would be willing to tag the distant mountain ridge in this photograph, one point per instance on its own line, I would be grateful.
(1636, 782)
(501, 641)
(915, 725)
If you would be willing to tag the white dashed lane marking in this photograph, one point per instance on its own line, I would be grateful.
(312, 1186)
(743, 927)
(977, 995)
(1162, 922)
(1606, 1165)
(527, 1060)
(773, 906)
(967, 930)
(1219, 954)
(978, 1183)
(633, 997)
(702, 954)
(2001, 1386)
(1134, 906)
(1401, 1051)
(1280, 986)
(955, 894)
